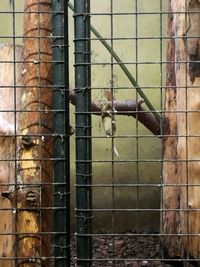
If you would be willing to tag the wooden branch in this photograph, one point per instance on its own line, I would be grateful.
(126, 107)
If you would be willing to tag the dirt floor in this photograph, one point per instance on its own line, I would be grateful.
(124, 251)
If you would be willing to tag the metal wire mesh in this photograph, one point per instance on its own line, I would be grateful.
(34, 117)
(134, 82)
(141, 206)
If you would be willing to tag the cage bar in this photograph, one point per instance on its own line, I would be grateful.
(61, 140)
(83, 131)
(137, 190)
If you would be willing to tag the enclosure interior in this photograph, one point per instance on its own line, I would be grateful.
(126, 167)
(125, 210)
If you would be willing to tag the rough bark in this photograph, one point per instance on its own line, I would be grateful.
(8, 100)
(33, 192)
(181, 168)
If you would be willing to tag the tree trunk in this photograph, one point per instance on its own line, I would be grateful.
(34, 190)
(181, 153)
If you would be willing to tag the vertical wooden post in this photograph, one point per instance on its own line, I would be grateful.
(181, 168)
(34, 178)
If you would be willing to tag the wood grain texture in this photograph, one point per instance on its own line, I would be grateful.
(181, 166)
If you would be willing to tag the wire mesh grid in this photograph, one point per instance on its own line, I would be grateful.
(134, 93)
(137, 64)
(34, 119)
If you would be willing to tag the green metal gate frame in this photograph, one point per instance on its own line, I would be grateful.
(61, 133)
(83, 131)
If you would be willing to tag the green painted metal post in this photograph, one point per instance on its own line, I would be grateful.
(61, 133)
(83, 132)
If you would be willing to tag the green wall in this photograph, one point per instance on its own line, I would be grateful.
(132, 141)
(11, 25)
(150, 51)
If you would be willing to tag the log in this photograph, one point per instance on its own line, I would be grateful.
(9, 98)
(34, 190)
(181, 154)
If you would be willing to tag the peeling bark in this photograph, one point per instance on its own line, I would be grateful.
(192, 43)
(171, 194)
(181, 156)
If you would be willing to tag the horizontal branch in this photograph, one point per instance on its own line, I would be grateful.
(126, 107)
